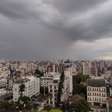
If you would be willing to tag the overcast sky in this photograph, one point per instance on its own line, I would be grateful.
(44, 29)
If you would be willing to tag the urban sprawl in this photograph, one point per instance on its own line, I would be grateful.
(56, 86)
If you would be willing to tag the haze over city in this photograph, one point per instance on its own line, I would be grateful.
(44, 29)
(55, 55)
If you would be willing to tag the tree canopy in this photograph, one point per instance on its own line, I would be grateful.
(78, 104)
(38, 73)
(60, 88)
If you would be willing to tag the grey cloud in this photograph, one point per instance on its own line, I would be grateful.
(90, 25)
(47, 28)
(95, 25)
(88, 19)
(21, 40)
(29, 9)
(76, 5)
(14, 8)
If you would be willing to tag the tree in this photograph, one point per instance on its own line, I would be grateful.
(78, 104)
(38, 73)
(60, 88)
(79, 84)
(21, 89)
(24, 103)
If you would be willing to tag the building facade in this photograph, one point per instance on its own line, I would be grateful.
(97, 94)
(32, 87)
(49, 84)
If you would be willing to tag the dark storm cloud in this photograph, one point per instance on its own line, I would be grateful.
(76, 5)
(91, 25)
(88, 19)
(14, 8)
(49, 27)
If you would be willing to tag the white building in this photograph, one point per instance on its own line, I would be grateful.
(32, 87)
(72, 70)
(68, 85)
(46, 79)
(53, 89)
(3, 82)
(2, 92)
(51, 82)
(86, 67)
(97, 94)
(110, 91)
(44, 83)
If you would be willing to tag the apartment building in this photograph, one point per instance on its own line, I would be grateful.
(97, 94)
(86, 67)
(49, 84)
(32, 87)
(53, 90)
(3, 82)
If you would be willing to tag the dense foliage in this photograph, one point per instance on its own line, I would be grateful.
(21, 89)
(38, 73)
(24, 103)
(79, 85)
(77, 104)
(60, 88)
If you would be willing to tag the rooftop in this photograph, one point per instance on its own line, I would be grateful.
(96, 82)
(22, 80)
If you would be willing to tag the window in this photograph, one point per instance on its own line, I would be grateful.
(89, 89)
(89, 94)
(50, 86)
(104, 89)
(55, 87)
(51, 90)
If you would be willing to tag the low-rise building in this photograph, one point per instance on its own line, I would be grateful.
(97, 94)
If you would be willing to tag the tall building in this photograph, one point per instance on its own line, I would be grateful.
(68, 87)
(50, 84)
(32, 87)
(52, 68)
(3, 82)
(53, 90)
(86, 68)
(94, 68)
